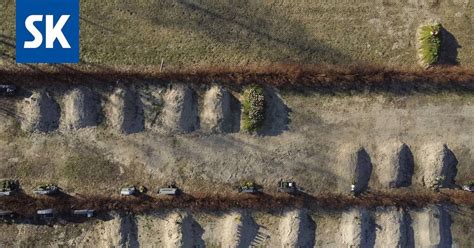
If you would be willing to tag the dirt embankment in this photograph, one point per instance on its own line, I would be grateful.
(358, 227)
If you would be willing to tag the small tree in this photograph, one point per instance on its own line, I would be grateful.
(253, 108)
(429, 44)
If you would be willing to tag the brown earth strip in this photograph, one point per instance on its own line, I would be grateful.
(324, 78)
(26, 205)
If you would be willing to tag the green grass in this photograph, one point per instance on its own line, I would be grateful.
(253, 108)
(202, 33)
(88, 169)
(429, 38)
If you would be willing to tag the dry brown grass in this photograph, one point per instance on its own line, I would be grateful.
(26, 205)
(295, 77)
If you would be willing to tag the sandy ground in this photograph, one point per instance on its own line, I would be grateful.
(386, 227)
(325, 143)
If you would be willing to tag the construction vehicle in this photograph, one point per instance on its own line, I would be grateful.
(88, 213)
(128, 190)
(248, 187)
(169, 190)
(8, 187)
(7, 90)
(47, 189)
(287, 187)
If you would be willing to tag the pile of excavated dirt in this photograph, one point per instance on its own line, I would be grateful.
(357, 228)
(180, 112)
(432, 227)
(354, 168)
(297, 229)
(125, 111)
(238, 230)
(39, 113)
(108, 232)
(393, 228)
(180, 231)
(221, 111)
(395, 165)
(276, 113)
(437, 160)
(81, 109)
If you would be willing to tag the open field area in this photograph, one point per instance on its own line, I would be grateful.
(203, 33)
(366, 106)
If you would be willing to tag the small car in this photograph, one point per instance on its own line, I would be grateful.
(46, 213)
(7, 90)
(129, 190)
(89, 213)
(47, 189)
(6, 214)
(169, 190)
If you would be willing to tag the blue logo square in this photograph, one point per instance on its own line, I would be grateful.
(47, 31)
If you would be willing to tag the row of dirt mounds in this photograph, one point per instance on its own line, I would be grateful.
(356, 227)
(396, 166)
(124, 111)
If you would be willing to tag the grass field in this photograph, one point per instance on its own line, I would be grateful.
(203, 33)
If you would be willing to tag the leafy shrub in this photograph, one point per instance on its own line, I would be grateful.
(429, 38)
(253, 108)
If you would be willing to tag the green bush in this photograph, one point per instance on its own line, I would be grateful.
(429, 38)
(253, 106)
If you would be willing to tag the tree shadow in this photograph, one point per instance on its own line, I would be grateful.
(449, 50)
(247, 26)
(363, 171)
(129, 231)
(405, 168)
(276, 114)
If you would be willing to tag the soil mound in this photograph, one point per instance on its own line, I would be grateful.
(357, 228)
(297, 229)
(276, 113)
(239, 230)
(432, 227)
(40, 113)
(81, 109)
(180, 112)
(125, 112)
(219, 114)
(182, 231)
(394, 228)
(437, 160)
(395, 165)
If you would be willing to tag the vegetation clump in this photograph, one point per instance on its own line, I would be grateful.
(253, 108)
(429, 44)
